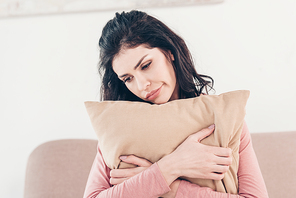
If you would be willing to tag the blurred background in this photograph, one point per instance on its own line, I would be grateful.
(48, 68)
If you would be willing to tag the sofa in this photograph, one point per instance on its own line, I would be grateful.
(60, 168)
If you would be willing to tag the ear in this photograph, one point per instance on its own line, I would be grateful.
(172, 56)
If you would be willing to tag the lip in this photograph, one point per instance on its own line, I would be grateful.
(153, 94)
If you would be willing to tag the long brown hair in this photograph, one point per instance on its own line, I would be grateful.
(131, 29)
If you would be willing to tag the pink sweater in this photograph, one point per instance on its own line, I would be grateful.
(150, 183)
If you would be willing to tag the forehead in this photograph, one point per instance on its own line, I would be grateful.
(130, 56)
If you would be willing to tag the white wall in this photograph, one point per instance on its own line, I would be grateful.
(48, 69)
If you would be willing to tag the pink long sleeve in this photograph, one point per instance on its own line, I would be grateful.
(150, 183)
(250, 180)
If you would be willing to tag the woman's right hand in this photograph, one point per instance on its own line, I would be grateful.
(196, 160)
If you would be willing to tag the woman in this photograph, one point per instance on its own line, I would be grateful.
(141, 59)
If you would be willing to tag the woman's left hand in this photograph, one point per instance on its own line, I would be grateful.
(120, 175)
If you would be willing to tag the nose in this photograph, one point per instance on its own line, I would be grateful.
(142, 82)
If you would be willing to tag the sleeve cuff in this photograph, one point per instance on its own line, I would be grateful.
(161, 182)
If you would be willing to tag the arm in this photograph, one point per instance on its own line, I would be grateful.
(251, 183)
(154, 177)
(250, 180)
(148, 183)
(152, 181)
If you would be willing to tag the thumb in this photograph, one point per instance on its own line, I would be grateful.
(131, 159)
(200, 135)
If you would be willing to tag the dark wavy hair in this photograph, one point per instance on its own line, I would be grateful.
(131, 29)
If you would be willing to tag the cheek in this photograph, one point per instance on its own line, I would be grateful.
(165, 72)
(171, 74)
(132, 88)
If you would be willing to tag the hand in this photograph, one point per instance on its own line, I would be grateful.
(120, 175)
(195, 160)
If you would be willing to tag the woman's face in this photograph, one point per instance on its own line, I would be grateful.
(147, 73)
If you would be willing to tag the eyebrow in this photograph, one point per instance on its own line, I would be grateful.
(137, 65)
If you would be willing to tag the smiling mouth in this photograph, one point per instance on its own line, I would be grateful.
(153, 94)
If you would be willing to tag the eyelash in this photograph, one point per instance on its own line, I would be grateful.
(146, 66)
(142, 68)
(126, 79)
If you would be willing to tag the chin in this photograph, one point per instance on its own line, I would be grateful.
(159, 103)
(161, 100)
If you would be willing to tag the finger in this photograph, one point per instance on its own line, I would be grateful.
(221, 169)
(118, 173)
(200, 135)
(126, 172)
(115, 181)
(222, 152)
(226, 161)
(216, 176)
(131, 159)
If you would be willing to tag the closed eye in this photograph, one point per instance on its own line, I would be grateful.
(145, 66)
(127, 79)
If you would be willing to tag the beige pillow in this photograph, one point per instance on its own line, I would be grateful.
(153, 131)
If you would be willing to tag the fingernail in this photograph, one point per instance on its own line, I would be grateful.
(212, 126)
(122, 157)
